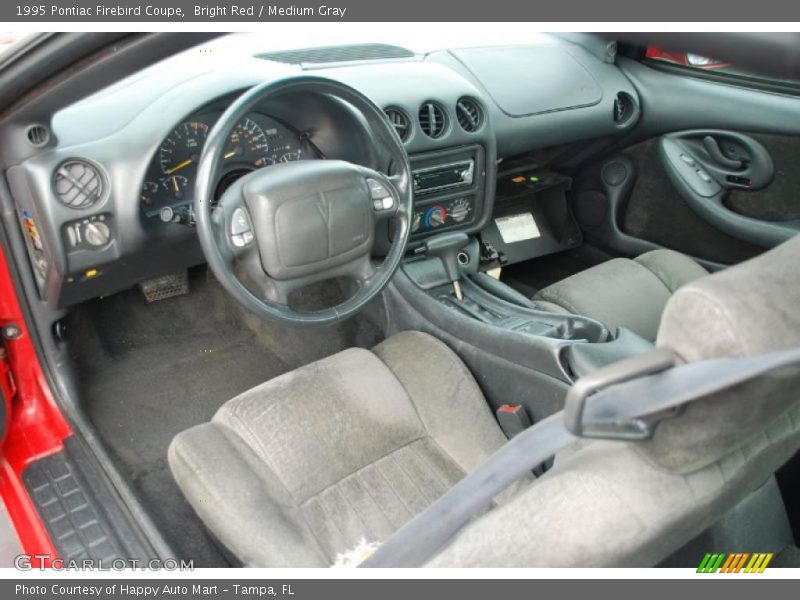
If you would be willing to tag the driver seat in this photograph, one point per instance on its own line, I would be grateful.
(306, 466)
(301, 468)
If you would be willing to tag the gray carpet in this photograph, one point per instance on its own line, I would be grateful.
(149, 371)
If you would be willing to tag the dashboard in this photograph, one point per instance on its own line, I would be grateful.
(104, 202)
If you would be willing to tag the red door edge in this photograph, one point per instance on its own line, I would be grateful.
(35, 425)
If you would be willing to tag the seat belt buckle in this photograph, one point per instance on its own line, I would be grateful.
(513, 419)
(632, 429)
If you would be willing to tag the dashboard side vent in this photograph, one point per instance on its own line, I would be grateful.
(469, 114)
(432, 120)
(400, 121)
(624, 108)
(37, 135)
(78, 183)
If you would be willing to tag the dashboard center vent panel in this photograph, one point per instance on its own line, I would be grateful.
(432, 120)
(337, 54)
(37, 135)
(469, 114)
(78, 183)
(399, 121)
(624, 108)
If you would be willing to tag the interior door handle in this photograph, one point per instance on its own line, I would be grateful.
(712, 147)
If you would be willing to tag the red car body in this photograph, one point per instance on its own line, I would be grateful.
(35, 427)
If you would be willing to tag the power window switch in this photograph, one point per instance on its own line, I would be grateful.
(704, 176)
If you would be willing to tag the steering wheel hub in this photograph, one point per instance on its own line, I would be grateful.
(309, 218)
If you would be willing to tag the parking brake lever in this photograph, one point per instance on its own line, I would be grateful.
(445, 247)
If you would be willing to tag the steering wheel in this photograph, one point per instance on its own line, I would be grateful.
(282, 228)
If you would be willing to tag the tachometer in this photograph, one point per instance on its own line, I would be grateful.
(182, 148)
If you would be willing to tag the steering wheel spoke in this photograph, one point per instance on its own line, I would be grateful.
(364, 271)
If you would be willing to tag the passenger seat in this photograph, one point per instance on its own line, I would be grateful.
(623, 292)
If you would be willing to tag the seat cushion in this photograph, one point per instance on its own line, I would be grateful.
(299, 469)
(623, 292)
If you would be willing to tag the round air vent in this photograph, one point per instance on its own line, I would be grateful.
(432, 120)
(469, 114)
(37, 135)
(78, 183)
(624, 108)
(400, 121)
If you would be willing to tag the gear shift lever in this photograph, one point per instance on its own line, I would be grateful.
(446, 246)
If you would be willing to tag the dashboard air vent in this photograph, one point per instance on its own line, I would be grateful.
(399, 121)
(432, 120)
(624, 108)
(37, 135)
(78, 183)
(469, 114)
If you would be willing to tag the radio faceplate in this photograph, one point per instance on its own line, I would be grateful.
(444, 177)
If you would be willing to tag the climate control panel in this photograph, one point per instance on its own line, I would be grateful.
(443, 214)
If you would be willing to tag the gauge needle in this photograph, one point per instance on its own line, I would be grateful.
(178, 167)
(175, 185)
(229, 154)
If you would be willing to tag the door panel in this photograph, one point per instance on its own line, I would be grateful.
(656, 212)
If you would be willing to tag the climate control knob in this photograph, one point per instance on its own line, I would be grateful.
(97, 233)
(459, 210)
(435, 217)
(416, 222)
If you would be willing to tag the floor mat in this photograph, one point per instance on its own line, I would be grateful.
(149, 371)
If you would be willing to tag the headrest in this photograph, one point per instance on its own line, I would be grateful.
(749, 309)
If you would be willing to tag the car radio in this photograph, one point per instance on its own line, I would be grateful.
(444, 177)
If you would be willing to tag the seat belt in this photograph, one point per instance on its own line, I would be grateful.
(624, 401)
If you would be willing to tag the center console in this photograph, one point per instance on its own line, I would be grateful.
(471, 215)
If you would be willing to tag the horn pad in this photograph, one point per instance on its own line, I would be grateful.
(309, 219)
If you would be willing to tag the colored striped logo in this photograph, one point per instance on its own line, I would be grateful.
(735, 562)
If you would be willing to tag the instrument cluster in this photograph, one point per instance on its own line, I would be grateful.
(256, 142)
